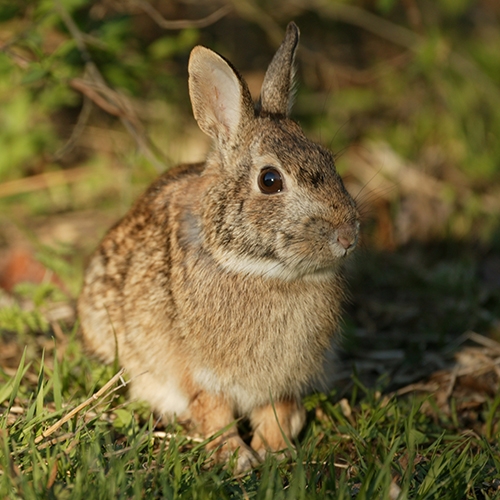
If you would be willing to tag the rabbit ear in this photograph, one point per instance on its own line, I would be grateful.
(220, 98)
(277, 90)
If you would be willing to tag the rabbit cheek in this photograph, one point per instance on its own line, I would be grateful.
(306, 247)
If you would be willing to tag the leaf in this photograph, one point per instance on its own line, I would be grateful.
(12, 386)
(123, 419)
(34, 75)
(385, 6)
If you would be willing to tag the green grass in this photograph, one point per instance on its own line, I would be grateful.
(372, 446)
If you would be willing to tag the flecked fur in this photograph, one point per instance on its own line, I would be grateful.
(218, 299)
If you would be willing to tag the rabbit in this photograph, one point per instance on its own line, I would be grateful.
(221, 290)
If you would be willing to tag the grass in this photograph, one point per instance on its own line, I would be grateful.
(372, 445)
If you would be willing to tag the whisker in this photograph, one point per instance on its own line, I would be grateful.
(374, 196)
(336, 133)
(367, 183)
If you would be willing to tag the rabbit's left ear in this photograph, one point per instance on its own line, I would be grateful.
(277, 90)
(221, 100)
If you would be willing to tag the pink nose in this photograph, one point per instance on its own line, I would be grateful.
(347, 236)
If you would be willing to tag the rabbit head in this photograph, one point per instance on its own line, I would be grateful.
(275, 204)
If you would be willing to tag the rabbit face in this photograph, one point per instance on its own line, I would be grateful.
(273, 203)
(302, 224)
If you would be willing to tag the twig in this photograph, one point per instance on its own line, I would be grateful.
(95, 91)
(77, 130)
(482, 340)
(75, 32)
(170, 435)
(53, 441)
(80, 407)
(94, 86)
(182, 23)
(251, 11)
(42, 181)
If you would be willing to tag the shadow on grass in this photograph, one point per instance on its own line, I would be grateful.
(409, 310)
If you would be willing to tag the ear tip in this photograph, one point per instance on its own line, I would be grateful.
(201, 56)
(292, 29)
(198, 51)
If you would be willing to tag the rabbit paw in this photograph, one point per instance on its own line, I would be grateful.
(234, 451)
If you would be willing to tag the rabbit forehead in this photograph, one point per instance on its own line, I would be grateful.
(283, 143)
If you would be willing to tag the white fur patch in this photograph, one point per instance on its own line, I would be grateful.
(269, 268)
(241, 399)
(164, 396)
(207, 379)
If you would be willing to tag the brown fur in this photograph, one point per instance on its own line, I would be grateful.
(220, 300)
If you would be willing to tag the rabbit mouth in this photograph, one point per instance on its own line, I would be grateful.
(319, 245)
(345, 239)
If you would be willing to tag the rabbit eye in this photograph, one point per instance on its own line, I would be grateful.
(270, 181)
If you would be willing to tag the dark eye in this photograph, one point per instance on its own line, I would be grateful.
(270, 181)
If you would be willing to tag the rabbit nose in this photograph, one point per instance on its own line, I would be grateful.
(347, 236)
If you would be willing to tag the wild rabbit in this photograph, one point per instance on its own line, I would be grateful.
(220, 291)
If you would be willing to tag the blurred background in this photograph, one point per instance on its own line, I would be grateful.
(94, 104)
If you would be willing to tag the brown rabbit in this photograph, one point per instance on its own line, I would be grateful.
(221, 290)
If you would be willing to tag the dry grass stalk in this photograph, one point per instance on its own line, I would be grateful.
(43, 181)
(80, 407)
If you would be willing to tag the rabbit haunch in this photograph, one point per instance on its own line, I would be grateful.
(219, 298)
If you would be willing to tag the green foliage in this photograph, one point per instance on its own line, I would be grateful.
(17, 320)
(369, 448)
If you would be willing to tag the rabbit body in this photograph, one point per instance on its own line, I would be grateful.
(218, 296)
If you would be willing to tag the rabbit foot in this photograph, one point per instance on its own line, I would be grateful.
(275, 425)
(210, 413)
(245, 457)
(279, 456)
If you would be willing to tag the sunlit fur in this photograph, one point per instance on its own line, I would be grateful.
(218, 299)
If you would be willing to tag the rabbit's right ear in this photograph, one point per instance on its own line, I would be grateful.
(276, 96)
(220, 98)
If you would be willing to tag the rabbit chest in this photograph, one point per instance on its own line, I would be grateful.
(251, 338)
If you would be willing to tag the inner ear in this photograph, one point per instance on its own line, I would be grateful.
(220, 98)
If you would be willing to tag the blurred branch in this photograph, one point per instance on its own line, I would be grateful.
(95, 88)
(77, 130)
(249, 10)
(184, 23)
(75, 33)
(106, 98)
(357, 16)
(42, 181)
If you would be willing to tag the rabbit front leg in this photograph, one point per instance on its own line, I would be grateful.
(270, 422)
(211, 413)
